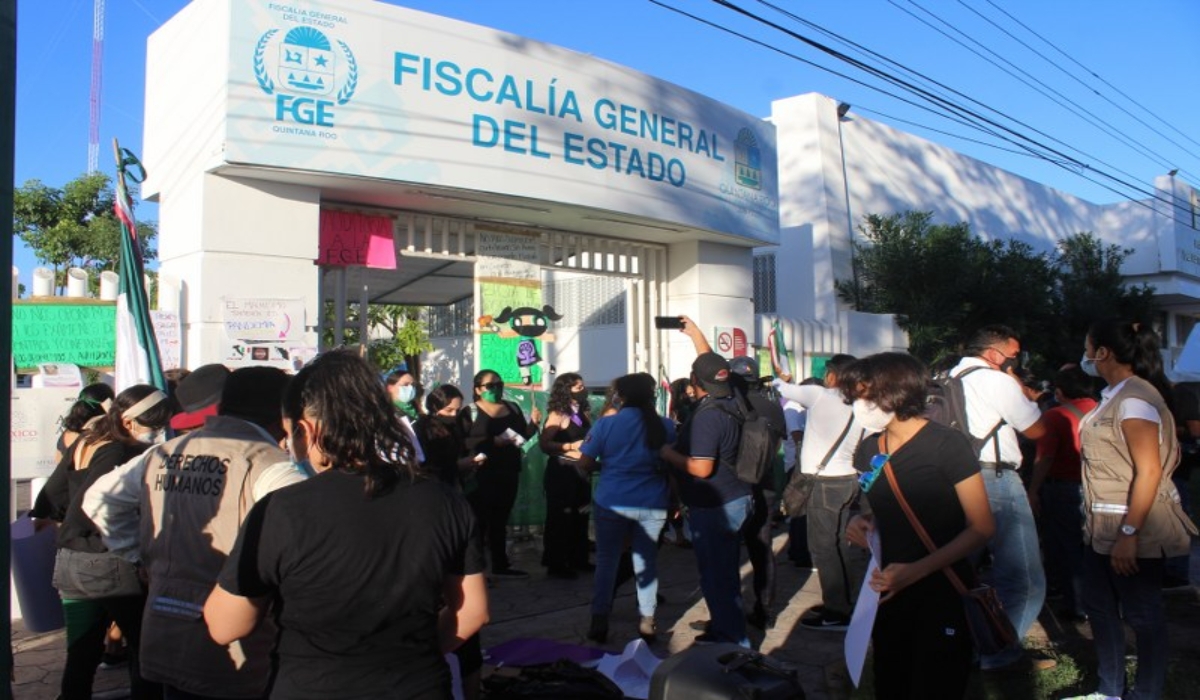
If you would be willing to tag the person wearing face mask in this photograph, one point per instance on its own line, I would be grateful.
(997, 409)
(177, 510)
(831, 434)
(441, 436)
(402, 387)
(97, 585)
(496, 429)
(568, 489)
(1132, 513)
(923, 646)
(374, 568)
(441, 439)
(1056, 489)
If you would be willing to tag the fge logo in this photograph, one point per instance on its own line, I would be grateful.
(308, 69)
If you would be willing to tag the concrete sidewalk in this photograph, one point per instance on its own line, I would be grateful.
(545, 608)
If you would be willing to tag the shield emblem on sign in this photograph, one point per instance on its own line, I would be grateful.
(306, 61)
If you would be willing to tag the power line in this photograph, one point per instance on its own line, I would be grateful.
(1058, 97)
(1035, 147)
(1092, 73)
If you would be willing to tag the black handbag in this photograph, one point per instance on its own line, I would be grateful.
(991, 630)
(800, 485)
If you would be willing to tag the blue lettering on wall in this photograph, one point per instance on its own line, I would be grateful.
(303, 110)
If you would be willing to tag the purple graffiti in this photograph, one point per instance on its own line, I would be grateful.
(527, 354)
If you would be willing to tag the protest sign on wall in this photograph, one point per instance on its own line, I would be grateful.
(169, 336)
(82, 332)
(267, 320)
(349, 238)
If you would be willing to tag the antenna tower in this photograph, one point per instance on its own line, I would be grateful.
(97, 80)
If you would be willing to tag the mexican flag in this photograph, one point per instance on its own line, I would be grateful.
(779, 356)
(137, 360)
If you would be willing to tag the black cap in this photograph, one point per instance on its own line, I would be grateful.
(198, 395)
(712, 371)
(255, 394)
(745, 367)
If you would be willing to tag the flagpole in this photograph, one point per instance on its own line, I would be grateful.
(137, 358)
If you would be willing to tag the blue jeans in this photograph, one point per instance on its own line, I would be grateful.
(716, 540)
(615, 528)
(1180, 567)
(1062, 536)
(1138, 599)
(1016, 571)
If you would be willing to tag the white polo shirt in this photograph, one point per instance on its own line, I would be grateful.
(793, 419)
(992, 395)
(826, 414)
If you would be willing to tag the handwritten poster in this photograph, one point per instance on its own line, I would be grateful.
(263, 319)
(349, 238)
(170, 338)
(69, 333)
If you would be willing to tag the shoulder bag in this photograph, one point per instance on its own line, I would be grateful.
(991, 630)
(800, 485)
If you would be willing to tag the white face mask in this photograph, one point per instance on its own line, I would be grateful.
(872, 418)
(1088, 366)
(406, 393)
(149, 437)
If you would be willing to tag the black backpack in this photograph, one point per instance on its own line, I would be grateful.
(947, 404)
(757, 443)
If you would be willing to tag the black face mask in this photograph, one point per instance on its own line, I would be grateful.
(579, 397)
(446, 420)
(1010, 363)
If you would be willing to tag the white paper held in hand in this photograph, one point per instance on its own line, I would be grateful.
(862, 621)
(514, 437)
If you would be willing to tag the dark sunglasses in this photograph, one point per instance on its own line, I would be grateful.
(492, 385)
(867, 479)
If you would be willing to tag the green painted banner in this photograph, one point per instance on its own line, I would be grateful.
(79, 334)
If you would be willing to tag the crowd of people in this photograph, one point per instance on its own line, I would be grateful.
(334, 533)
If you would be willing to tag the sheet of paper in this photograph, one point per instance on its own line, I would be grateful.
(858, 636)
(631, 669)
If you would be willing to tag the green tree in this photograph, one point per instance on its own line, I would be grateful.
(940, 280)
(407, 339)
(1088, 287)
(942, 283)
(74, 226)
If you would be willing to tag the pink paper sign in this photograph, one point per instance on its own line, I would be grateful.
(348, 238)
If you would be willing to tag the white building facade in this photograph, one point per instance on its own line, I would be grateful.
(836, 168)
(619, 196)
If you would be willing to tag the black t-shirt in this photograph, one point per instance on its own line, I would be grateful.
(357, 583)
(711, 433)
(927, 469)
(481, 430)
(443, 445)
(61, 498)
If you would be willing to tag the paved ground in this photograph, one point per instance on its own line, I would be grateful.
(553, 609)
(547, 609)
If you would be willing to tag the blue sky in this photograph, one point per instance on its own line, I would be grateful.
(1145, 52)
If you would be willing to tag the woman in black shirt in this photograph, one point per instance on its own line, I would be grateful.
(96, 585)
(374, 569)
(496, 429)
(441, 435)
(921, 640)
(568, 489)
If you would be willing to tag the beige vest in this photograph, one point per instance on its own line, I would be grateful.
(1108, 476)
(197, 490)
